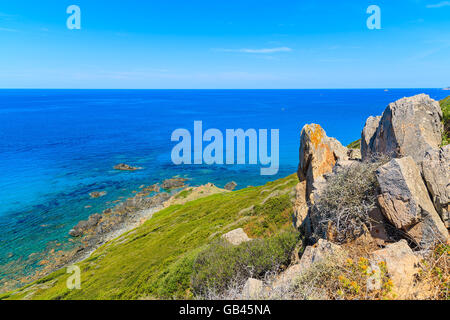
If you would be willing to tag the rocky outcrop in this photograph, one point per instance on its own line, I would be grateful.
(408, 127)
(317, 253)
(318, 154)
(83, 226)
(368, 134)
(126, 167)
(354, 154)
(236, 236)
(435, 169)
(97, 194)
(401, 265)
(230, 186)
(405, 202)
(173, 183)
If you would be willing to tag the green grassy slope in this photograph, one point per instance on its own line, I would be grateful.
(155, 260)
(445, 105)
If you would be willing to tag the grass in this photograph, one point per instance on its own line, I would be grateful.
(156, 259)
(355, 144)
(445, 106)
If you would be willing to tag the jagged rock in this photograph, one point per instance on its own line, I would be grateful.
(236, 236)
(322, 250)
(354, 154)
(300, 205)
(85, 225)
(368, 134)
(318, 154)
(230, 186)
(253, 289)
(173, 183)
(405, 202)
(378, 228)
(436, 172)
(401, 264)
(408, 127)
(97, 194)
(318, 252)
(126, 167)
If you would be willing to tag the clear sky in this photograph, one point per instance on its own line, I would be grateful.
(224, 44)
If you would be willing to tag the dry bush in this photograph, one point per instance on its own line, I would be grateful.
(435, 273)
(344, 204)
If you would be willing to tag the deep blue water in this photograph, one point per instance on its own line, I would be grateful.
(56, 146)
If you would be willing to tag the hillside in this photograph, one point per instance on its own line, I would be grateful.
(155, 260)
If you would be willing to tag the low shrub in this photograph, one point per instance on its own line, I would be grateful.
(271, 216)
(343, 206)
(222, 265)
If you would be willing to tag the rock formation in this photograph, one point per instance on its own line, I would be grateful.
(236, 236)
(405, 202)
(408, 127)
(435, 169)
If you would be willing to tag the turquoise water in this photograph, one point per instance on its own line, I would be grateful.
(57, 146)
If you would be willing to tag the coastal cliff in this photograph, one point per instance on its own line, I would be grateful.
(368, 221)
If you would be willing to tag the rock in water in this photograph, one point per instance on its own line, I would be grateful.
(405, 202)
(84, 226)
(97, 194)
(236, 236)
(409, 127)
(173, 183)
(435, 169)
(230, 186)
(125, 167)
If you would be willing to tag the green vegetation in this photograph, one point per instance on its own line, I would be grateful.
(222, 265)
(156, 259)
(355, 144)
(445, 106)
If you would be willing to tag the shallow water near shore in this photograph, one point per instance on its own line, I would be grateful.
(57, 146)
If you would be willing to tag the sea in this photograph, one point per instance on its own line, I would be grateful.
(57, 146)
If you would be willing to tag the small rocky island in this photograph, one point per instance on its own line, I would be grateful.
(126, 167)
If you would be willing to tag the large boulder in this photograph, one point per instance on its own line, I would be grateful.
(436, 172)
(236, 236)
(405, 202)
(368, 135)
(300, 205)
(318, 154)
(312, 255)
(409, 127)
(401, 265)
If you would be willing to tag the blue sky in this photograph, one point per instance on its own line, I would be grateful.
(224, 44)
